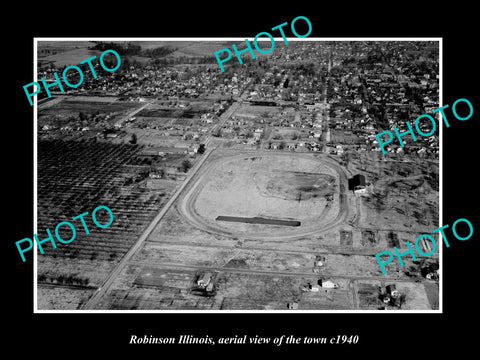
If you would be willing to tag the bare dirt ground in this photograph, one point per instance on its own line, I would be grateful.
(276, 187)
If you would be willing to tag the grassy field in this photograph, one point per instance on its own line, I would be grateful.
(68, 111)
(65, 53)
(71, 57)
(198, 48)
(70, 106)
(45, 47)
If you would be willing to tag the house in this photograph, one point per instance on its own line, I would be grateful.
(433, 275)
(311, 288)
(392, 291)
(320, 260)
(293, 305)
(155, 174)
(258, 134)
(319, 263)
(204, 279)
(327, 284)
(422, 152)
(194, 149)
(357, 184)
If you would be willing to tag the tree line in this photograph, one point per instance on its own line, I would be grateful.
(129, 48)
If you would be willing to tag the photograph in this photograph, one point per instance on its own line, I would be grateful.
(264, 186)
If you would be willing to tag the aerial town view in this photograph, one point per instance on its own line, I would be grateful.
(262, 187)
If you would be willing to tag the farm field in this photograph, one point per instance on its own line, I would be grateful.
(70, 106)
(195, 49)
(65, 53)
(73, 56)
(75, 177)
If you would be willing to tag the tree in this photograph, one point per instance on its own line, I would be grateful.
(186, 165)
(161, 172)
(249, 134)
(133, 139)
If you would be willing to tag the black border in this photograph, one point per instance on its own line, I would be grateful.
(380, 334)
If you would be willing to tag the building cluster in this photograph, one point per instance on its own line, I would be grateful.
(298, 52)
(343, 101)
(139, 81)
(290, 84)
(383, 87)
(317, 96)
